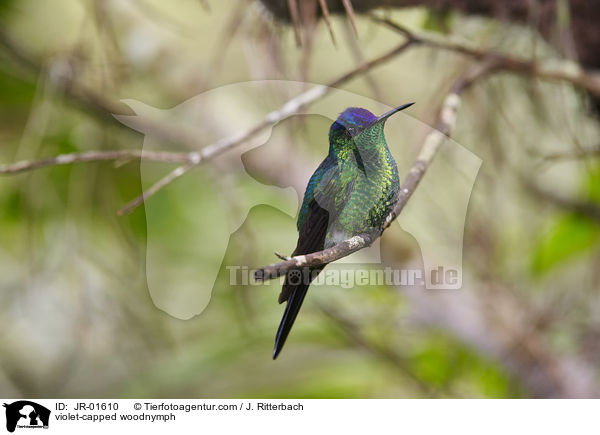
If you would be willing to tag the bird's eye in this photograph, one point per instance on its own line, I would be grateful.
(351, 131)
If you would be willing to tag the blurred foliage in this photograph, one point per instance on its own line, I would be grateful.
(572, 235)
(438, 20)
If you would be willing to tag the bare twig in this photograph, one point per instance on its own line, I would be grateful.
(169, 178)
(231, 27)
(325, 11)
(295, 16)
(358, 55)
(581, 207)
(395, 359)
(342, 249)
(554, 69)
(192, 159)
(95, 156)
(575, 154)
(443, 128)
(350, 12)
(78, 93)
(283, 257)
(289, 108)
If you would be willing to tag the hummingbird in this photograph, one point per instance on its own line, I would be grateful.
(352, 192)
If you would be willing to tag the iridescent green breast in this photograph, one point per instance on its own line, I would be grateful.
(357, 184)
(357, 191)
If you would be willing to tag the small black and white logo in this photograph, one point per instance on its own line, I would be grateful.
(25, 414)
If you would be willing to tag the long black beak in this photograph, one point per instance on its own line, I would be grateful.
(386, 115)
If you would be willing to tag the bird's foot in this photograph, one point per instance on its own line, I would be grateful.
(283, 257)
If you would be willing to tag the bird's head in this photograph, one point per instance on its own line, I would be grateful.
(355, 127)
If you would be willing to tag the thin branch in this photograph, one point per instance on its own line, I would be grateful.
(575, 154)
(351, 16)
(169, 178)
(233, 23)
(325, 11)
(295, 16)
(581, 207)
(286, 110)
(442, 129)
(342, 249)
(283, 257)
(358, 55)
(95, 156)
(192, 159)
(386, 353)
(433, 141)
(85, 97)
(553, 69)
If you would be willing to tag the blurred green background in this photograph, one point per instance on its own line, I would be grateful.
(76, 316)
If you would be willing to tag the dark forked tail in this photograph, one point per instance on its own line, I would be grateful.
(295, 286)
(295, 296)
(289, 316)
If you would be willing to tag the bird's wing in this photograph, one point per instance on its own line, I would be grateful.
(325, 196)
(314, 216)
(319, 207)
(309, 194)
(295, 286)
